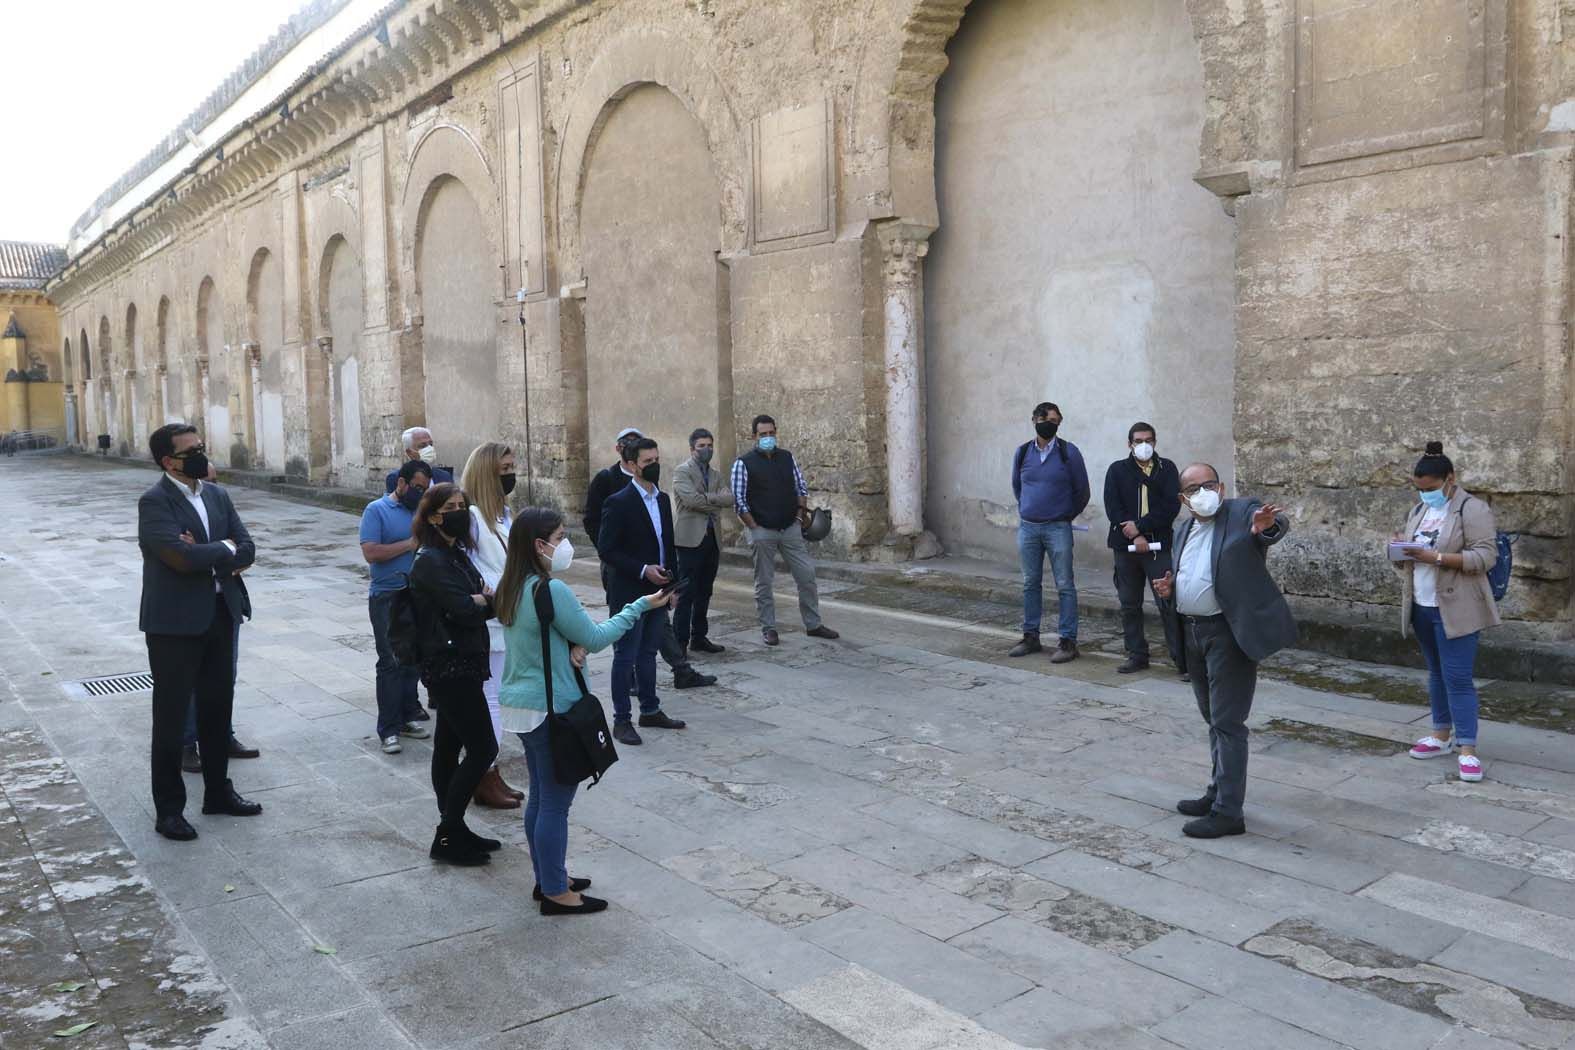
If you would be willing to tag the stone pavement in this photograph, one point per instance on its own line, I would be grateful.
(898, 840)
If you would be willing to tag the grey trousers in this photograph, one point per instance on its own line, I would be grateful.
(1223, 681)
(790, 543)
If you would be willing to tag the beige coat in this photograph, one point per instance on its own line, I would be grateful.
(1465, 598)
(693, 500)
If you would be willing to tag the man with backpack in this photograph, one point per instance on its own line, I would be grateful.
(388, 545)
(1050, 483)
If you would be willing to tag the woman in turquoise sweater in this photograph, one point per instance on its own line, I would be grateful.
(537, 550)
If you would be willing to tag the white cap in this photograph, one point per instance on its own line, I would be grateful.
(626, 431)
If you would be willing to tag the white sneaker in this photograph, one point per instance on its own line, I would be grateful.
(1432, 747)
(391, 745)
(1470, 768)
(413, 731)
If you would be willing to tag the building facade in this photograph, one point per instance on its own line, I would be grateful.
(1300, 237)
(36, 408)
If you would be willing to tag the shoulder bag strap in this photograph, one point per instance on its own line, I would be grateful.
(544, 617)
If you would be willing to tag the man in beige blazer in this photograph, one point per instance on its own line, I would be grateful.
(699, 492)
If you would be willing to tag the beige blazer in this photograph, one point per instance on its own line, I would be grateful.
(1465, 598)
(693, 500)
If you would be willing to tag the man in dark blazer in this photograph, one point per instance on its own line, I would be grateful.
(1232, 617)
(1142, 499)
(636, 545)
(193, 545)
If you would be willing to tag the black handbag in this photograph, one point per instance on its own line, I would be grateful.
(580, 742)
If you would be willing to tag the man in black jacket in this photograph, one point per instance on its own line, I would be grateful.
(1142, 499)
(193, 545)
(609, 482)
(636, 544)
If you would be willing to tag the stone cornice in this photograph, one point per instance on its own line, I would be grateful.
(369, 78)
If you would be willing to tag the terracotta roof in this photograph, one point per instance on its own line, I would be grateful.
(24, 264)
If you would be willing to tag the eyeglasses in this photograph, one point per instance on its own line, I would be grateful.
(1193, 490)
(195, 450)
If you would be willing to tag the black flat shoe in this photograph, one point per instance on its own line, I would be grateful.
(231, 804)
(624, 733)
(175, 827)
(1214, 826)
(706, 645)
(575, 885)
(587, 906)
(451, 849)
(659, 720)
(240, 750)
(1196, 807)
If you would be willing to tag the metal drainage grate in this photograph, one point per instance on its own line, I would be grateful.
(114, 685)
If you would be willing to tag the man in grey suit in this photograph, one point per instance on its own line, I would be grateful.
(1232, 617)
(193, 546)
(699, 492)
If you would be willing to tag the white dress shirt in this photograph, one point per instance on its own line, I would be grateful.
(194, 497)
(1195, 575)
(654, 509)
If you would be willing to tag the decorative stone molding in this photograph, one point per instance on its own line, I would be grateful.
(251, 352)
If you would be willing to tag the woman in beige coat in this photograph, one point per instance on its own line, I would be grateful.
(1448, 543)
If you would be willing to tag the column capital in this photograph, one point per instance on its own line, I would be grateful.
(202, 365)
(903, 244)
(129, 374)
(252, 350)
(325, 343)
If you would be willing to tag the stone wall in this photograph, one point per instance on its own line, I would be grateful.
(719, 208)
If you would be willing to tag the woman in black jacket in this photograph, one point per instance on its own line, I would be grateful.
(452, 607)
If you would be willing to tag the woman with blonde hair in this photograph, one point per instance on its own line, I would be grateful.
(488, 478)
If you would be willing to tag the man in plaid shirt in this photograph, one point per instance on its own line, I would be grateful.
(772, 501)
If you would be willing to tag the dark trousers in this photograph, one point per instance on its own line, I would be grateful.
(634, 664)
(1134, 574)
(462, 723)
(1223, 681)
(672, 653)
(190, 739)
(396, 685)
(697, 572)
(182, 666)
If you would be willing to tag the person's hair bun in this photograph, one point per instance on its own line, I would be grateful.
(1434, 448)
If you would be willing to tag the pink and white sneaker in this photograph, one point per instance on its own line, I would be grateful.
(1470, 768)
(1432, 747)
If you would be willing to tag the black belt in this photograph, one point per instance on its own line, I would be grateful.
(1189, 618)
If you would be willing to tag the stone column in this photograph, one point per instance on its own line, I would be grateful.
(202, 397)
(128, 408)
(252, 363)
(324, 385)
(161, 394)
(73, 436)
(903, 245)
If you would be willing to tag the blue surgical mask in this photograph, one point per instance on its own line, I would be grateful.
(1437, 499)
(768, 443)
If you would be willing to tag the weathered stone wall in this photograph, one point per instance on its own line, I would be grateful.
(1399, 228)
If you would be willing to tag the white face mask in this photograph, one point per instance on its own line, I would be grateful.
(562, 555)
(1143, 451)
(1204, 504)
(428, 455)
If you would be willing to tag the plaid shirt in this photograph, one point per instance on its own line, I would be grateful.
(741, 486)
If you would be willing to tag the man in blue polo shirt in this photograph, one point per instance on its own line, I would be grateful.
(389, 546)
(1051, 486)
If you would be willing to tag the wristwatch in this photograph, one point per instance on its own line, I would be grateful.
(1438, 558)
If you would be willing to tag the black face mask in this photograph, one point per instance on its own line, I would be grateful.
(411, 500)
(456, 524)
(195, 466)
(507, 481)
(1046, 429)
(651, 472)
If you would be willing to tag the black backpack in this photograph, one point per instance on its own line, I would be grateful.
(404, 635)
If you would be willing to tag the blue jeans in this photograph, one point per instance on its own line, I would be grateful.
(1450, 662)
(1033, 543)
(634, 664)
(396, 685)
(235, 672)
(546, 815)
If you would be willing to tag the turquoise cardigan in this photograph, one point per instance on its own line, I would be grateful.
(523, 685)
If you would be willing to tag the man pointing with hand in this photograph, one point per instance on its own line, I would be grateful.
(1232, 617)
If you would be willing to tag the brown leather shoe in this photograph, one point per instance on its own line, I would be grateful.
(492, 793)
(508, 789)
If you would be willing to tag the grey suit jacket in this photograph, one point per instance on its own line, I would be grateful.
(693, 500)
(177, 577)
(1258, 615)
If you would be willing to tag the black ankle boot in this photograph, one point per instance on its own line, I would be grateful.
(452, 848)
(482, 843)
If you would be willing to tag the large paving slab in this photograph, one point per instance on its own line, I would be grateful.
(902, 840)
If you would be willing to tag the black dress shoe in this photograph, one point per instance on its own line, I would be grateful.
(823, 632)
(231, 804)
(1185, 677)
(624, 733)
(587, 906)
(689, 678)
(1133, 665)
(240, 750)
(1214, 826)
(575, 885)
(1196, 807)
(453, 849)
(190, 760)
(175, 827)
(706, 645)
(659, 720)
(769, 636)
